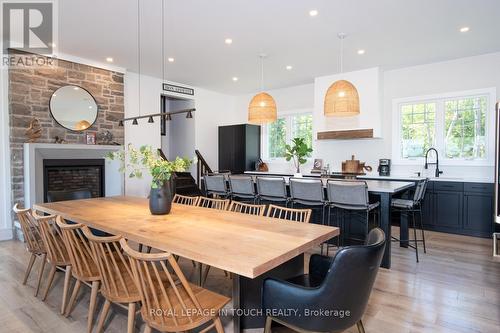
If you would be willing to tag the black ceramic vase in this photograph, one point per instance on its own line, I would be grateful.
(160, 199)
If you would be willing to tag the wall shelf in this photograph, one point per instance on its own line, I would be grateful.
(366, 133)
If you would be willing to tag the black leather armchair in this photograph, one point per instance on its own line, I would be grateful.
(333, 296)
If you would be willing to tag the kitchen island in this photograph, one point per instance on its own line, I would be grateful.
(385, 190)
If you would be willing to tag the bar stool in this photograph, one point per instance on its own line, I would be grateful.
(351, 197)
(407, 206)
(242, 187)
(215, 184)
(308, 192)
(272, 189)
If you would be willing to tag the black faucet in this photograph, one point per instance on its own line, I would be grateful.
(426, 166)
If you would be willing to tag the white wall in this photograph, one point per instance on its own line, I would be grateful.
(181, 134)
(212, 110)
(456, 75)
(5, 189)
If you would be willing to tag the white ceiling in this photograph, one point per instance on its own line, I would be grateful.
(394, 33)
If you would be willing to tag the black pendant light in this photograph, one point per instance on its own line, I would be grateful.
(134, 122)
(120, 123)
(189, 115)
(151, 120)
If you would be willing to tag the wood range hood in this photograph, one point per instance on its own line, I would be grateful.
(365, 133)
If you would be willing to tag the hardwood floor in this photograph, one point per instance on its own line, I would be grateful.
(454, 288)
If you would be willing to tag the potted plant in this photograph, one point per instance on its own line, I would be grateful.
(298, 151)
(145, 158)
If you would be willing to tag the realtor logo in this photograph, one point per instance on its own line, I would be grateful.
(28, 27)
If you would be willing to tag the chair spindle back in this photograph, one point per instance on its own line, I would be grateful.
(291, 214)
(244, 208)
(80, 253)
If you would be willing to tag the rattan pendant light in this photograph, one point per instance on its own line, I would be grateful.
(262, 107)
(342, 99)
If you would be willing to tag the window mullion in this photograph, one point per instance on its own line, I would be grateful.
(289, 129)
(439, 127)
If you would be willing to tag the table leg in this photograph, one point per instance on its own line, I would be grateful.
(403, 230)
(385, 224)
(199, 269)
(247, 294)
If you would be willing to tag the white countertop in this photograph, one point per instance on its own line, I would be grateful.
(285, 174)
(392, 177)
(434, 179)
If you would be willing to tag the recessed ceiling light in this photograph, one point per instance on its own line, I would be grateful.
(235, 78)
(109, 59)
(228, 41)
(360, 52)
(75, 88)
(171, 59)
(464, 29)
(313, 12)
(289, 67)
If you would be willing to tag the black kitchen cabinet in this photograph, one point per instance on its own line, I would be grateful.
(448, 209)
(478, 208)
(239, 147)
(460, 208)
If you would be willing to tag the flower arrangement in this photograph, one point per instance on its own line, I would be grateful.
(145, 158)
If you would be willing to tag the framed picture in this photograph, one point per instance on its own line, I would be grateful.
(318, 164)
(91, 138)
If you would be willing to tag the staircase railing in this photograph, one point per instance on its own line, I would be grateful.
(202, 167)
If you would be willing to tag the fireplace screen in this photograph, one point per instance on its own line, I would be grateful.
(74, 174)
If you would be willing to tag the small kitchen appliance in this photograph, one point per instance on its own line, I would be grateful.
(384, 167)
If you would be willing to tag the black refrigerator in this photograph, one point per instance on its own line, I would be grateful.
(239, 147)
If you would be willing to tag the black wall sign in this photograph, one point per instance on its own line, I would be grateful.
(178, 89)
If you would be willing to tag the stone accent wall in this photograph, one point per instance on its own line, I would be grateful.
(30, 89)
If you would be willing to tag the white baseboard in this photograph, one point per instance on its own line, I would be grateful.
(6, 234)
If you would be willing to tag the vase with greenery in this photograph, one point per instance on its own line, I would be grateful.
(136, 161)
(297, 152)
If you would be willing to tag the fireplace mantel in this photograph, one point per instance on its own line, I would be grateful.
(35, 153)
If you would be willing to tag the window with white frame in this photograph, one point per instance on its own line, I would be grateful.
(281, 132)
(456, 124)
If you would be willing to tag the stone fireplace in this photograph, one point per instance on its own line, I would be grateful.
(74, 174)
(30, 89)
(69, 167)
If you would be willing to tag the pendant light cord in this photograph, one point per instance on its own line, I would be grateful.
(341, 54)
(341, 36)
(163, 40)
(262, 73)
(139, 53)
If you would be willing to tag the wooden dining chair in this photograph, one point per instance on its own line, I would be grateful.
(84, 268)
(185, 200)
(244, 208)
(220, 204)
(118, 284)
(291, 214)
(169, 302)
(57, 254)
(33, 242)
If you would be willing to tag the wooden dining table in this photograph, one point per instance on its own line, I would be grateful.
(251, 247)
